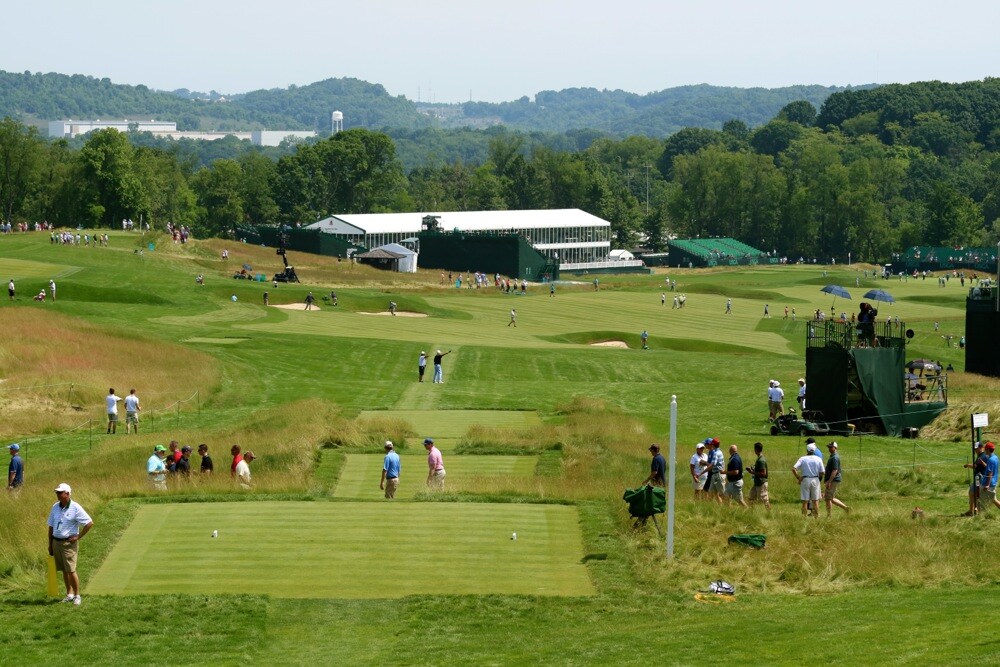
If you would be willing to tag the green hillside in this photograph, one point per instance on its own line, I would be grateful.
(40, 97)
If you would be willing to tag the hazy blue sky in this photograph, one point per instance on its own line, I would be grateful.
(447, 49)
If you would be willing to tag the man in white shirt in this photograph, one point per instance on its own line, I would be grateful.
(132, 409)
(808, 470)
(775, 395)
(68, 523)
(52, 288)
(699, 469)
(243, 469)
(802, 394)
(112, 405)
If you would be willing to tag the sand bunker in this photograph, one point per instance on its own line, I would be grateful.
(399, 313)
(611, 343)
(293, 306)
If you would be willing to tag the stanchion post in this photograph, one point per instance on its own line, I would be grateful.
(672, 477)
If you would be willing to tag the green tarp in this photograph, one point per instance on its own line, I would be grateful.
(646, 501)
(880, 372)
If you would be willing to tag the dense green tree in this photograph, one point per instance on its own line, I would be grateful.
(801, 112)
(21, 153)
(114, 189)
(220, 194)
(688, 141)
(776, 136)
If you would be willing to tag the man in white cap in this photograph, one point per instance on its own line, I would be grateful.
(832, 480)
(68, 523)
(802, 394)
(390, 471)
(421, 366)
(699, 469)
(775, 395)
(807, 471)
(438, 371)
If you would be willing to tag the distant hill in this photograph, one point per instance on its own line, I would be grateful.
(656, 114)
(39, 97)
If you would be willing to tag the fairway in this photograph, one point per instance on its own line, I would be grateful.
(20, 269)
(348, 550)
(361, 473)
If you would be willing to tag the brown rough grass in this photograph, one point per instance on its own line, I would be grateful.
(60, 379)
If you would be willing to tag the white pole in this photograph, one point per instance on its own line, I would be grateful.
(672, 478)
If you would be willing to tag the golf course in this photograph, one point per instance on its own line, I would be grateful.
(528, 555)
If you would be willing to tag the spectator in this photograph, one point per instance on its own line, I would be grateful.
(156, 469)
(207, 468)
(243, 469)
(807, 471)
(435, 466)
(15, 471)
(68, 523)
(390, 471)
(699, 469)
(832, 480)
(112, 409)
(734, 476)
(657, 469)
(759, 471)
(237, 457)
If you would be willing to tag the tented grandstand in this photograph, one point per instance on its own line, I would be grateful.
(930, 258)
(716, 252)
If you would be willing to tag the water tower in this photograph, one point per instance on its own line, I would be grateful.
(337, 122)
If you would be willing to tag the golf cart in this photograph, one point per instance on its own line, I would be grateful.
(810, 423)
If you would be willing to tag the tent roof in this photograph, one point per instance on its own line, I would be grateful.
(380, 253)
(470, 221)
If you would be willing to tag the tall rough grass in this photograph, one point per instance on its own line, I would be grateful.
(54, 382)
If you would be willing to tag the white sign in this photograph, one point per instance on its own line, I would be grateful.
(980, 420)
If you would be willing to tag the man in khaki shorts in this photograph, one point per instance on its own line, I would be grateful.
(68, 523)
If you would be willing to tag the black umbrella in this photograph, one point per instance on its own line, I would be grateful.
(836, 290)
(923, 364)
(879, 295)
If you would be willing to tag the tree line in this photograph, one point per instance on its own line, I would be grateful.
(870, 172)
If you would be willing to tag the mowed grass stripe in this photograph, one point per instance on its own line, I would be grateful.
(361, 473)
(540, 318)
(348, 550)
(26, 269)
(455, 423)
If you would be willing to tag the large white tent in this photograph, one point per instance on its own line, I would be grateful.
(567, 235)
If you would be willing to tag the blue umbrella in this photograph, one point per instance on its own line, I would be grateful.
(836, 290)
(879, 295)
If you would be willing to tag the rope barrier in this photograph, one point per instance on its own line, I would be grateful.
(56, 435)
(37, 386)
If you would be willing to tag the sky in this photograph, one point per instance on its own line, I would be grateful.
(457, 50)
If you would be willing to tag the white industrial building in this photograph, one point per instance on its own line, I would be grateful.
(275, 137)
(166, 129)
(72, 128)
(570, 236)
